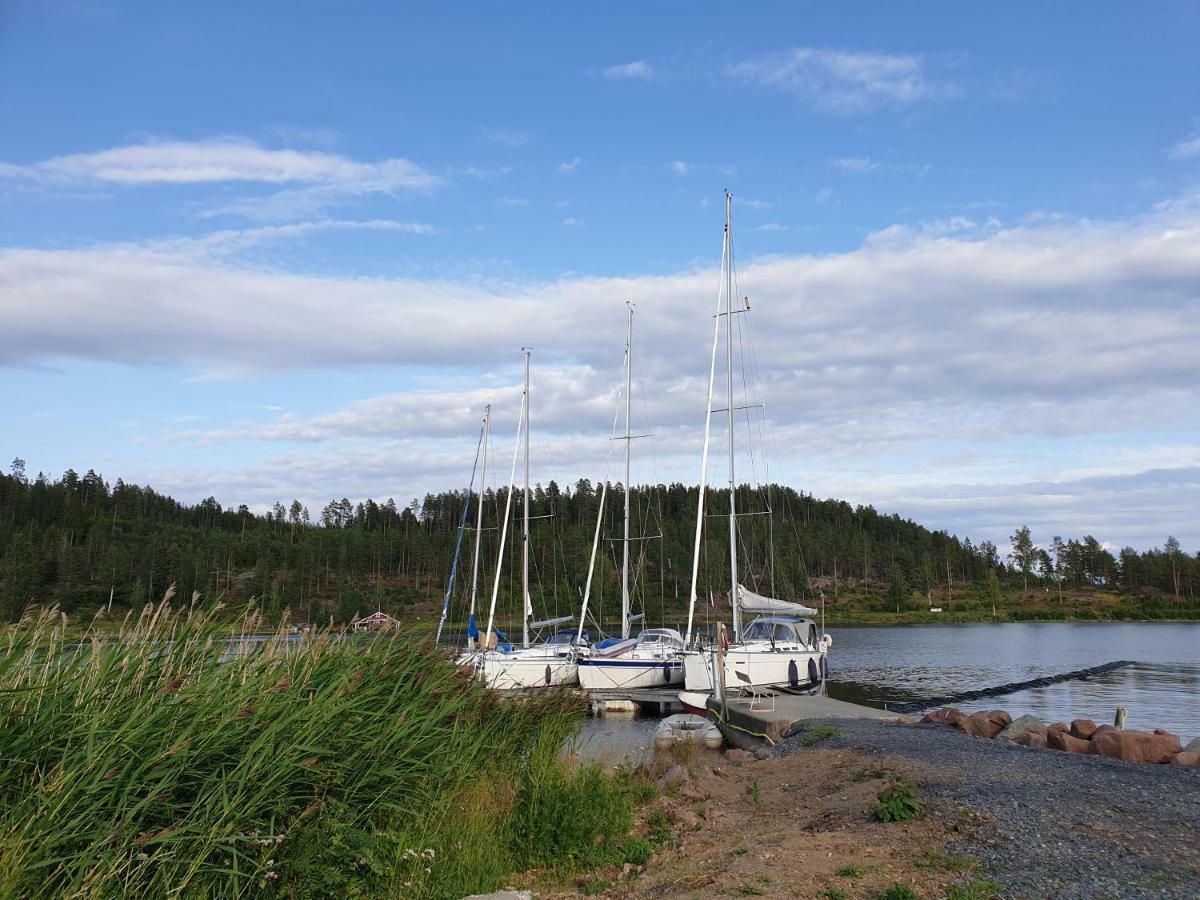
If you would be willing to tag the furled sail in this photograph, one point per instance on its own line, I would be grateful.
(757, 604)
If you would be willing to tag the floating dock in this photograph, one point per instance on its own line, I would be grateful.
(751, 722)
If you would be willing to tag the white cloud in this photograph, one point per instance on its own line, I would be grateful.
(824, 195)
(637, 70)
(852, 164)
(505, 137)
(572, 222)
(842, 81)
(1188, 149)
(222, 160)
(317, 179)
(679, 167)
(753, 204)
(568, 167)
(231, 240)
(896, 372)
(561, 204)
(770, 226)
(512, 201)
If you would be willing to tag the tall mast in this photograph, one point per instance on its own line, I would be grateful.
(733, 564)
(628, 445)
(525, 610)
(512, 484)
(708, 411)
(487, 418)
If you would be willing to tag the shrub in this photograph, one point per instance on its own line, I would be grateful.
(898, 802)
(896, 891)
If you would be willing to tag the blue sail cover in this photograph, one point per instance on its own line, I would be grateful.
(472, 629)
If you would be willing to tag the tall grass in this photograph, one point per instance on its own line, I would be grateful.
(168, 761)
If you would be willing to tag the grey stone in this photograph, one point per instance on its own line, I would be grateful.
(1020, 727)
(762, 753)
(677, 774)
(1192, 746)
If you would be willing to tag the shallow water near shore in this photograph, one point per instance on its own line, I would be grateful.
(877, 665)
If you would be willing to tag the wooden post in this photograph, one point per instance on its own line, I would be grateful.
(1119, 721)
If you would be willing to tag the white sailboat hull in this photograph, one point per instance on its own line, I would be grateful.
(515, 671)
(624, 673)
(761, 664)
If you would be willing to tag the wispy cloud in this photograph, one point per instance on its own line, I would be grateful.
(770, 226)
(568, 167)
(844, 82)
(824, 195)
(852, 164)
(512, 201)
(232, 240)
(638, 70)
(221, 160)
(679, 167)
(572, 222)
(1188, 149)
(505, 137)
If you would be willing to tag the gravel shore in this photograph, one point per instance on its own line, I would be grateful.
(1061, 825)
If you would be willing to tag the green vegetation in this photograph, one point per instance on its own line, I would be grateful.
(77, 540)
(850, 872)
(833, 893)
(750, 890)
(595, 886)
(166, 761)
(898, 802)
(896, 891)
(818, 733)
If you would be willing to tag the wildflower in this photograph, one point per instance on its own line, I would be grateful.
(428, 853)
(272, 875)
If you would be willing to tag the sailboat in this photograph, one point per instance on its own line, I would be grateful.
(655, 657)
(548, 663)
(782, 647)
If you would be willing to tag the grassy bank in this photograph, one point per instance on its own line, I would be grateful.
(157, 762)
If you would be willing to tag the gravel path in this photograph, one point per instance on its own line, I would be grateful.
(1057, 824)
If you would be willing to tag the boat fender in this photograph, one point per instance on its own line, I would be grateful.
(825, 666)
(666, 672)
(814, 674)
(547, 674)
(793, 673)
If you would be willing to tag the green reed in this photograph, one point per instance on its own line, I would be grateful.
(168, 760)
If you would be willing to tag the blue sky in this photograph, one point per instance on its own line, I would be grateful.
(288, 250)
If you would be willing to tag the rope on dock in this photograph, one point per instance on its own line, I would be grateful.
(1010, 688)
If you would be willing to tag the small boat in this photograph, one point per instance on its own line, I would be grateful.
(687, 728)
(695, 702)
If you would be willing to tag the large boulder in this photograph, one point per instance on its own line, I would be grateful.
(1063, 740)
(1019, 729)
(1186, 758)
(984, 724)
(738, 756)
(1135, 746)
(1056, 726)
(1036, 740)
(1083, 729)
(947, 715)
(1192, 746)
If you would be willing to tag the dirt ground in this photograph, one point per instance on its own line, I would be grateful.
(793, 826)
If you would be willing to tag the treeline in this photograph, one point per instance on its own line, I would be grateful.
(82, 543)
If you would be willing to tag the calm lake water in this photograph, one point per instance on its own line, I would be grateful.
(894, 664)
